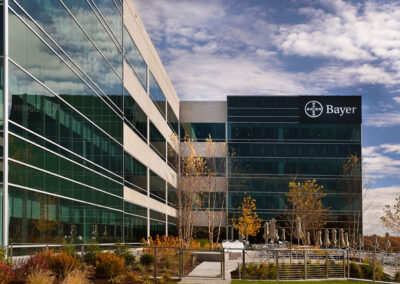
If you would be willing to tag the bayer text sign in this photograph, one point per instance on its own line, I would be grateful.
(330, 109)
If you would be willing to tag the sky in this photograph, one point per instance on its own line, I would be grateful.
(215, 48)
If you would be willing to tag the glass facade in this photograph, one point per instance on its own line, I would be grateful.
(270, 147)
(1, 112)
(157, 223)
(157, 95)
(157, 141)
(135, 117)
(199, 132)
(67, 110)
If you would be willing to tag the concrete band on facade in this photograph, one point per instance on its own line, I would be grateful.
(88, 120)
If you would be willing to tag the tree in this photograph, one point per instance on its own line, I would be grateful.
(305, 201)
(356, 183)
(214, 191)
(192, 167)
(391, 217)
(247, 223)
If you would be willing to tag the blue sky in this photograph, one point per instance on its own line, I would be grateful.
(214, 48)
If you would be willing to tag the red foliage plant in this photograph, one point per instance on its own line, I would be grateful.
(6, 273)
(26, 266)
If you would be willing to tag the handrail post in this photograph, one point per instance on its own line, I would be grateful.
(222, 264)
(277, 264)
(373, 265)
(305, 264)
(155, 262)
(326, 264)
(243, 263)
(348, 263)
(344, 264)
(180, 263)
(11, 254)
(82, 253)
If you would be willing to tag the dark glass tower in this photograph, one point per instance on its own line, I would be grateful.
(274, 141)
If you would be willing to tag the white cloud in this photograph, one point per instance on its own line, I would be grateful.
(379, 164)
(384, 119)
(211, 49)
(346, 31)
(374, 201)
(391, 148)
(397, 99)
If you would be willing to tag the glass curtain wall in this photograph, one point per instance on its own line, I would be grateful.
(1, 112)
(271, 148)
(67, 166)
(65, 125)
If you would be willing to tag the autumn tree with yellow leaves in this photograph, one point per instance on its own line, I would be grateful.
(391, 217)
(247, 223)
(305, 200)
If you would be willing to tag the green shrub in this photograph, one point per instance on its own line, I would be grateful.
(90, 253)
(397, 277)
(203, 242)
(271, 271)
(109, 265)
(138, 267)
(147, 259)
(129, 257)
(355, 270)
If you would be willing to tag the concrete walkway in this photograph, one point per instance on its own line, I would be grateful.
(210, 272)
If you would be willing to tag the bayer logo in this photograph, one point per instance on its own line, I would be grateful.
(313, 109)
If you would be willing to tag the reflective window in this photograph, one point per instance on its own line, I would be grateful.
(172, 157)
(288, 149)
(112, 17)
(172, 196)
(135, 59)
(42, 218)
(135, 174)
(1, 90)
(91, 24)
(172, 226)
(23, 175)
(157, 228)
(33, 55)
(157, 187)
(2, 29)
(56, 21)
(35, 108)
(288, 166)
(265, 131)
(201, 131)
(28, 153)
(135, 228)
(172, 119)
(157, 224)
(135, 117)
(157, 141)
(135, 209)
(262, 102)
(156, 94)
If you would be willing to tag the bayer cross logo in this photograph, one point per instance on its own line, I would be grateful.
(313, 109)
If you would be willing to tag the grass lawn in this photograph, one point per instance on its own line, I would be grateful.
(297, 282)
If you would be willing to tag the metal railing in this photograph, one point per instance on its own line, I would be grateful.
(259, 263)
(185, 258)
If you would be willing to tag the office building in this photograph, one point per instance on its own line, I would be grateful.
(272, 140)
(88, 112)
(88, 122)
